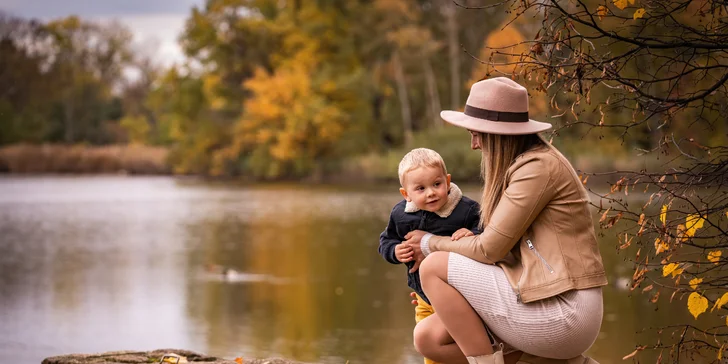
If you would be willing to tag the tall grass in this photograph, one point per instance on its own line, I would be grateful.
(82, 159)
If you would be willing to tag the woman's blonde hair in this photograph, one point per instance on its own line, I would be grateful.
(499, 152)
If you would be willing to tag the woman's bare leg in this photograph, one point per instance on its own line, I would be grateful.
(461, 321)
(434, 342)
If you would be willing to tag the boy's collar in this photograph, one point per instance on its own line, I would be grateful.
(453, 198)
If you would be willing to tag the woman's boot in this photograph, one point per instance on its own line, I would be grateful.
(532, 359)
(495, 358)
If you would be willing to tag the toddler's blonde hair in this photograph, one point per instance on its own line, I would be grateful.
(418, 158)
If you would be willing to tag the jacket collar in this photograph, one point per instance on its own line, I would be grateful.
(453, 198)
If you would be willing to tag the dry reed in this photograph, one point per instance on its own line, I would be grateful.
(82, 159)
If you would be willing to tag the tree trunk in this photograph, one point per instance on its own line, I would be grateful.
(454, 50)
(403, 99)
(434, 95)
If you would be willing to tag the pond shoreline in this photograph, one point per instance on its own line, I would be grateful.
(154, 356)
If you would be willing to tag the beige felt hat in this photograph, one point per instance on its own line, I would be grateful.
(496, 106)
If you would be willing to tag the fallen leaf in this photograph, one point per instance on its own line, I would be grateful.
(695, 282)
(638, 14)
(239, 360)
(714, 256)
(720, 302)
(697, 304)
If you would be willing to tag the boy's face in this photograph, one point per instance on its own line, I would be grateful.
(427, 187)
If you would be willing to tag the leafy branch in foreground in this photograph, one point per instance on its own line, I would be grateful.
(651, 74)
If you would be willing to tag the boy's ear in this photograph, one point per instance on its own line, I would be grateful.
(404, 194)
(448, 181)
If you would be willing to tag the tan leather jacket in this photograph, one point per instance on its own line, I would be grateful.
(541, 233)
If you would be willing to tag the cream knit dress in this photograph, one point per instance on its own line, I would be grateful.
(560, 327)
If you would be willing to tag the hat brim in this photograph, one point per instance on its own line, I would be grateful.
(494, 127)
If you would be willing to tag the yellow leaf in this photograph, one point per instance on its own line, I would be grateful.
(621, 4)
(663, 214)
(670, 268)
(602, 11)
(720, 351)
(239, 360)
(631, 2)
(639, 13)
(714, 256)
(697, 304)
(695, 282)
(661, 246)
(720, 302)
(692, 224)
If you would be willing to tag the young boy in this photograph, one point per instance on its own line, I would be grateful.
(431, 203)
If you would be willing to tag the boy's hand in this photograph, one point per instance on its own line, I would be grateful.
(461, 233)
(403, 252)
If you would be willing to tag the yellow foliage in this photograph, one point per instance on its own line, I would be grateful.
(693, 223)
(638, 14)
(695, 282)
(210, 85)
(663, 214)
(661, 246)
(714, 256)
(602, 11)
(506, 40)
(621, 4)
(672, 268)
(720, 302)
(697, 304)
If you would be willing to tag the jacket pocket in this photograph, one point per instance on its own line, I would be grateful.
(533, 249)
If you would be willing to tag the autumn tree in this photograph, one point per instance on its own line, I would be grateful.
(651, 74)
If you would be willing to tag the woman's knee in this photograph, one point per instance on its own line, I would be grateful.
(434, 266)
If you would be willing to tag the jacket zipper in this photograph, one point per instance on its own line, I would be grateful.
(530, 246)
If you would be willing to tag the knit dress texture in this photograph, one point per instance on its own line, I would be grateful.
(560, 327)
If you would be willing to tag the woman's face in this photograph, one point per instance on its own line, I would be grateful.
(475, 140)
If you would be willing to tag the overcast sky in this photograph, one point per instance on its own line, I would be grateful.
(152, 21)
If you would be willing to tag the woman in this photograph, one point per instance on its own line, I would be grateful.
(534, 275)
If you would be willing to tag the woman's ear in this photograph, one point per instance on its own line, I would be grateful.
(404, 193)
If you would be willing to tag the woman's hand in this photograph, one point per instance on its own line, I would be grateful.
(414, 298)
(413, 241)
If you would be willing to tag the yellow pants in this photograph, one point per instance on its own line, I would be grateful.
(423, 310)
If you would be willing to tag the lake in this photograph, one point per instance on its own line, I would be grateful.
(92, 264)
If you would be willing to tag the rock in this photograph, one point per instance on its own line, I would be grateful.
(147, 357)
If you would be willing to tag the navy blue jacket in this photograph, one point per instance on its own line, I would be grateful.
(465, 215)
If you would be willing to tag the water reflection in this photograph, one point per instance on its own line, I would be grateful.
(111, 263)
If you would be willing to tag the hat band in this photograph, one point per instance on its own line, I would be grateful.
(514, 117)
